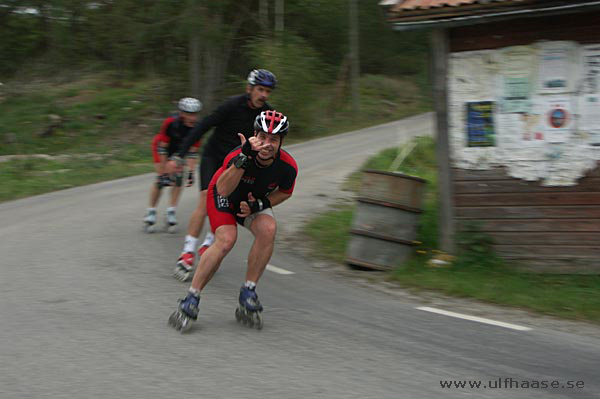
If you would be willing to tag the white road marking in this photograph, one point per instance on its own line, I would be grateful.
(278, 270)
(474, 318)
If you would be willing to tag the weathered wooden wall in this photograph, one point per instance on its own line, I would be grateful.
(549, 229)
(582, 28)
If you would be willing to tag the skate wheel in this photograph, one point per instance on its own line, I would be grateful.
(172, 229)
(174, 320)
(186, 324)
(258, 323)
(238, 316)
(149, 228)
(181, 275)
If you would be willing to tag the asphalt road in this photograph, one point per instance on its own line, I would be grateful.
(85, 296)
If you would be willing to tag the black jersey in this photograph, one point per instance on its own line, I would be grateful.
(261, 181)
(173, 132)
(230, 118)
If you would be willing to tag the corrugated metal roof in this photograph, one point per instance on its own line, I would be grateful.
(414, 14)
(402, 5)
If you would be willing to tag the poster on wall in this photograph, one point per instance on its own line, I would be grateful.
(480, 124)
(589, 101)
(556, 118)
(517, 132)
(516, 66)
(556, 63)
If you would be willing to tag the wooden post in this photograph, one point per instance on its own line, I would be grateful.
(440, 50)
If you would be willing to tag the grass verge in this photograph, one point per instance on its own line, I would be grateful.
(66, 119)
(476, 272)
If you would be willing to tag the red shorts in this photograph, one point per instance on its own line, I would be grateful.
(219, 209)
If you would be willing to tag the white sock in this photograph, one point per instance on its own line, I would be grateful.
(171, 209)
(151, 210)
(209, 239)
(194, 291)
(250, 284)
(190, 243)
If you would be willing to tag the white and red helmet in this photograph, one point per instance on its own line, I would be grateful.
(271, 122)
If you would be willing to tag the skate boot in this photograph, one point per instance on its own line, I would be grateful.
(202, 249)
(171, 221)
(249, 310)
(184, 266)
(150, 221)
(186, 313)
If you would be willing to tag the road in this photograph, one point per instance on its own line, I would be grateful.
(85, 296)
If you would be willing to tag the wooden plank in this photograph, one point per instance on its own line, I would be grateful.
(488, 174)
(394, 188)
(529, 199)
(543, 238)
(564, 265)
(499, 174)
(535, 225)
(440, 50)
(529, 212)
(589, 184)
(548, 250)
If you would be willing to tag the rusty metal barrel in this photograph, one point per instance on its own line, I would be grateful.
(384, 228)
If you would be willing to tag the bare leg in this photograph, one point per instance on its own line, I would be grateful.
(211, 260)
(264, 228)
(154, 191)
(175, 194)
(197, 220)
(154, 195)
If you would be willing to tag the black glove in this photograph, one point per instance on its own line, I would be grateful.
(259, 205)
(190, 179)
(248, 151)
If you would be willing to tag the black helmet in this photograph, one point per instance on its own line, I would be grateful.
(262, 77)
(272, 122)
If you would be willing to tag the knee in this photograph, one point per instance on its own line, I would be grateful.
(268, 229)
(226, 242)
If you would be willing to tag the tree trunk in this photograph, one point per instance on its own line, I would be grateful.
(263, 15)
(279, 16)
(195, 67)
(354, 56)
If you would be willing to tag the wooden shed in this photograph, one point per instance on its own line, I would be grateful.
(517, 96)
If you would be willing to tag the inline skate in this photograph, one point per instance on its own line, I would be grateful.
(186, 313)
(249, 309)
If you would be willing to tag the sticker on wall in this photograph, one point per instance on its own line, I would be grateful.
(556, 118)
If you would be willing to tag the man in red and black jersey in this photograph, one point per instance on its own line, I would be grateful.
(168, 140)
(236, 115)
(254, 177)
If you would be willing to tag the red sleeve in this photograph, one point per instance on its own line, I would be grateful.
(162, 134)
(230, 156)
(197, 144)
(289, 181)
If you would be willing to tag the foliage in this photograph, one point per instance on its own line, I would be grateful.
(298, 71)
